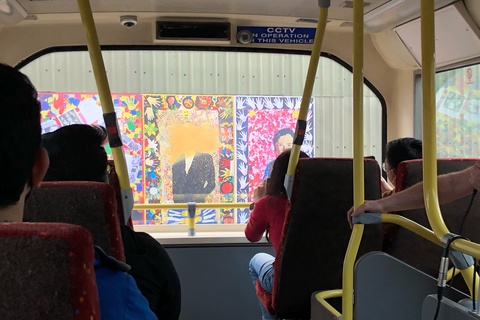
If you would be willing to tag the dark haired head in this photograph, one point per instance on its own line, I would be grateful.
(281, 133)
(20, 132)
(76, 153)
(283, 140)
(402, 149)
(275, 185)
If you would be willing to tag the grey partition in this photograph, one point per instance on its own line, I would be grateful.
(215, 281)
(448, 310)
(387, 288)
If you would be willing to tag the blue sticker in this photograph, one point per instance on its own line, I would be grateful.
(278, 35)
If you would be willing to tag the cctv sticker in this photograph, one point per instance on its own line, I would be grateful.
(278, 35)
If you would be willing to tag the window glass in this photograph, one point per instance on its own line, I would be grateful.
(458, 112)
(205, 126)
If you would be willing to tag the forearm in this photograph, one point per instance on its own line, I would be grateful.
(411, 198)
(450, 187)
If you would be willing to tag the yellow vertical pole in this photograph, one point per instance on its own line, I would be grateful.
(107, 104)
(358, 171)
(307, 94)
(430, 189)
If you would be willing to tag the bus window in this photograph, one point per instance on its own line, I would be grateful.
(204, 126)
(458, 112)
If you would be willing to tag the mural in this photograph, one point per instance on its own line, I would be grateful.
(188, 155)
(184, 148)
(458, 114)
(61, 109)
(265, 127)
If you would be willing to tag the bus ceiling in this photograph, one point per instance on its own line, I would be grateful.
(379, 14)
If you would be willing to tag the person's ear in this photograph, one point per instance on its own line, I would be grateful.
(40, 167)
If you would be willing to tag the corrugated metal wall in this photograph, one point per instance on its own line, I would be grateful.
(233, 73)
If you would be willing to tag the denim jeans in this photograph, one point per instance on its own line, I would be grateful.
(261, 268)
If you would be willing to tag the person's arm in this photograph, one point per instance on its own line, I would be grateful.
(257, 223)
(451, 186)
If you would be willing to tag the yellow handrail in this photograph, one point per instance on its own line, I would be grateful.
(430, 190)
(156, 206)
(322, 296)
(358, 173)
(107, 104)
(307, 90)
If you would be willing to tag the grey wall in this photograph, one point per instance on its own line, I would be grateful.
(216, 284)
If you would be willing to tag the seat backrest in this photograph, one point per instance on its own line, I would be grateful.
(91, 205)
(47, 272)
(316, 232)
(413, 249)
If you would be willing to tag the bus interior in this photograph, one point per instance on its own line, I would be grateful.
(221, 78)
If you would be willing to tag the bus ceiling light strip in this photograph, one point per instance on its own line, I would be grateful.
(11, 12)
(454, 29)
(396, 12)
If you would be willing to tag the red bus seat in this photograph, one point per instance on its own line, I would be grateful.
(413, 249)
(91, 205)
(316, 234)
(47, 272)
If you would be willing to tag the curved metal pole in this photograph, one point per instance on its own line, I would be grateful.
(430, 189)
(358, 171)
(307, 94)
(107, 105)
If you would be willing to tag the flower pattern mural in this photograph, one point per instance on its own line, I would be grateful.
(176, 126)
(61, 109)
(228, 136)
(257, 121)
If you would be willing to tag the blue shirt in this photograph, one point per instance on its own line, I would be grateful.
(118, 293)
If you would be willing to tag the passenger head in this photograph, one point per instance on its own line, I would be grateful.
(275, 185)
(400, 150)
(283, 140)
(22, 161)
(76, 153)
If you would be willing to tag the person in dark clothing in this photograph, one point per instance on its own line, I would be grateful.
(24, 163)
(76, 154)
(162, 289)
(193, 178)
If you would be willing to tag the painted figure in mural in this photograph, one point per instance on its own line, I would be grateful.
(193, 178)
(268, 216)
(193, 172)
(282, 140)
(76, 153)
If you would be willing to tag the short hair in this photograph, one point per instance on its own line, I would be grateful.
(281, 133)
(401, 150)
(76, 153)
(20, 133)
(275, 185)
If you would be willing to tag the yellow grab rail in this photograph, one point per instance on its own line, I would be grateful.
(430, 190)
(107, 104)
(156, 206)
(307, 94)
(358, 173)
(322, 296)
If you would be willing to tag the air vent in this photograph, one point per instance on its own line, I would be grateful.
(346, 24)
(168, 30)
(349, 4)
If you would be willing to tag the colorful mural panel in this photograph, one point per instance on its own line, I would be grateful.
(265, 127)
(180, 148)
(61, 109)
(188, 155)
